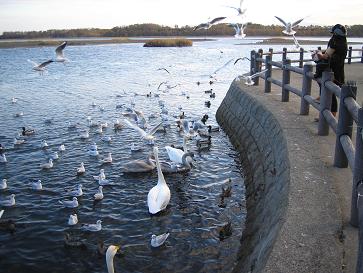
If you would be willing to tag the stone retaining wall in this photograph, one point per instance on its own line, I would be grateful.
(258, 136)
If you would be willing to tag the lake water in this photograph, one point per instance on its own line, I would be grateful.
(111, 75)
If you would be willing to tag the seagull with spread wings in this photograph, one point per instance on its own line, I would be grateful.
(40, 67)
(240, 11)
(239, 28)
(249, 79)
(209, 23)
(289, 26)
(144, 135)
(59, 52)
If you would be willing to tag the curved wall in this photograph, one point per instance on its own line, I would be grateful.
(259, 138)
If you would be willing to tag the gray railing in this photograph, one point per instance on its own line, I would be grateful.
(349, 111)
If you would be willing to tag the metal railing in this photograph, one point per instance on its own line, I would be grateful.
(349, 111)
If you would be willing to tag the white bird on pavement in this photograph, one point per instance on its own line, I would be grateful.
(249, 79)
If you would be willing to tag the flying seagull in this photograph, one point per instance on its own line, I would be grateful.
(240, 11)
(59, 52)
(249, 79)
(241, 59)
(162, 68)
(40, 67)
(209, 24)
(288, 26)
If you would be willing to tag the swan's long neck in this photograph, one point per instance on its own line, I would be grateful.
(185, 144)
(109, 263)
(161, 178)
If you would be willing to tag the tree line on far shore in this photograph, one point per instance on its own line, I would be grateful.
(144, 30)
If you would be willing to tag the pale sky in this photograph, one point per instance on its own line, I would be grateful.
(65, 14)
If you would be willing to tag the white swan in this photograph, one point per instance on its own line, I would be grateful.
(81, 170)
(289, 26)
(179, 156)
(48, 165)
(159, 196)
(37, 185)
(70, 203)
(158, 240)
(93, 227)
(110, 253)
(9, 202)
(3, 184)
(99, 194)
(73, 220)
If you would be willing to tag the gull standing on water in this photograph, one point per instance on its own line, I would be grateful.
(289, 26)
(59, 52)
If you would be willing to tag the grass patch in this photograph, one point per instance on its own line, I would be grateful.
(180, 42)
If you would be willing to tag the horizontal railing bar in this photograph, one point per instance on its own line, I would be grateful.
(259, 59)
(352, 107)
(293, 89)
(274, 81)
(295, 69)
(355, 57)
(277, 64)
(333, 88)
(356, 49)
(331, 120)
(312, 102)
(349, 149)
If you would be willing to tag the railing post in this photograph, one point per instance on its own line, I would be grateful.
(358, 169)
(301, 62)
(306, 89)
(284, 54)
(359, 268)
(361, 59)
(268, 73)
(345, 125)
(285, 80)
(253, 62)
(258, 66)
(350, 55)
(325, 103)
(271, 50)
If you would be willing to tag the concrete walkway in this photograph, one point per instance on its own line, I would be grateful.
(316, 236)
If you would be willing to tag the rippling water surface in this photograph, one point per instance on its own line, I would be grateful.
(110, 75)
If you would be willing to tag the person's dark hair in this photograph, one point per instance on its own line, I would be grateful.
(339, 30)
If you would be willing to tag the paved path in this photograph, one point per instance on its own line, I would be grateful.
(316, 236)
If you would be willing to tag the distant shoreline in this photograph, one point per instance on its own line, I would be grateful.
(97, 41)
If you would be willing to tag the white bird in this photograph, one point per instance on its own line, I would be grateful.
(117, 125)
(8, 202)
(40, 67)
(93, 227)
(53, 155)
(289, 26)
(110, 253)
(101, 175)
(135, 148)
(104, 124)
(93, 152)
(239, 30)
(159, 196)
(240, 11)
(84, 135)
(106, 139)
(19, 114)
(70, 203)
(59, 53)
(103, 182)
(77, 192)
(139, 166)
(296, 42)
(144, 135)
(3, 184)
(18, 141)
(108, 159)
(179, 156)
(44, 144)
(73, 220)
(14, 100)
(62, 148)
(158, 240)
(208, 24)
(99, 130)
(1, 213)
(47, 165)
(37, 185)
(99, 195)
(3, 158)
(81, 170)
(249, 79)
